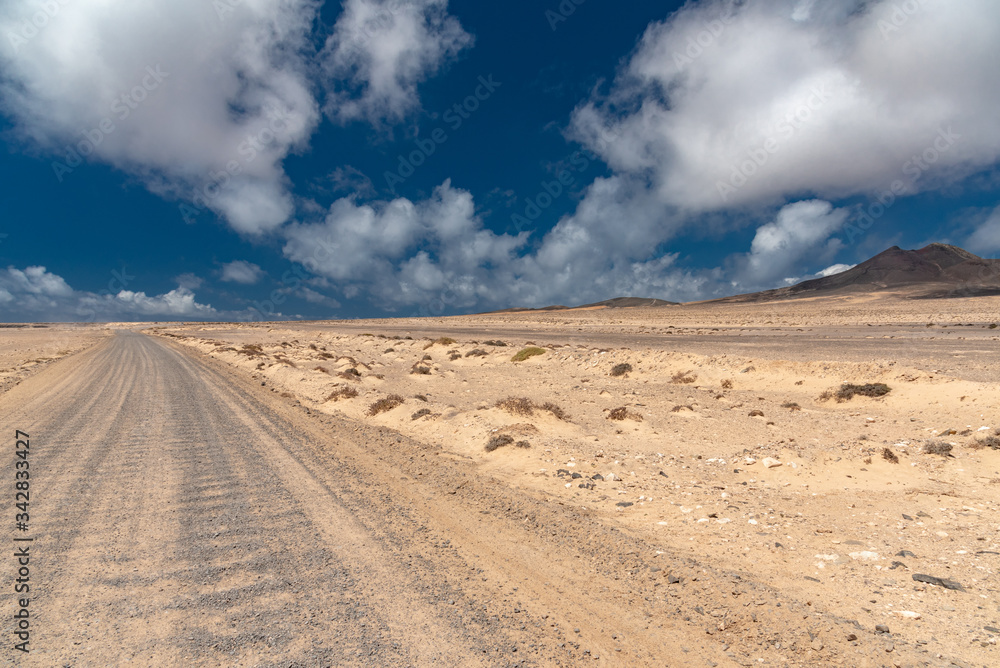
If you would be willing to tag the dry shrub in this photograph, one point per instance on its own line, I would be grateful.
(517, 406)
(848, 391)
(623, 413)
(251, 350)
(992, 442)
(350, 374)
(287, 395)
(444, 341)
(556, 411)
(826, 396)
(478, 352)
(388, 350)
(498, 442)
(320, 368)
(889, 456)
(756, 413)
(420, 370)
(286, 362)
(678, 409)
(620, 369)
(526, 353)
(420, 397)
(937, 448)
(454, 356)
(791, 405)
(419, 414)
(727, 384)
(684, 378)
(342, 393)
(386, 404)
(494, 342)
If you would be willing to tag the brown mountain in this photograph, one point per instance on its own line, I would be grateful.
(617, 302)
(935, 271)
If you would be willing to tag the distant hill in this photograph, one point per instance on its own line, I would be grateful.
(617, 302)
(935, 271)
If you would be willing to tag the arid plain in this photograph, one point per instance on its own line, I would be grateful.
(676, 485)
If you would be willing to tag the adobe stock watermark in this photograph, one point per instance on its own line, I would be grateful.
(549, 191)
(246, 152)
(121, 108)
(758, 156)
(914, 168)
(697, 44)
(455, 117)
(29, 29)
(899, 17)
(119, 281)
(562, 12)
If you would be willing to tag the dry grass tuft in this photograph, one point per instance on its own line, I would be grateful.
(623, 413)
(386, 404)
(420, 370)
(419, 414)
(727, 384)
(322, 369)
(494, 342)
(937, 448)
(444, 341)
(350, 374)
(526, 353)
(342, 393)
(889, 456)
(478, 352)
(499, 441)
(848, 391)
(517, 406)
(756, 413)
(791, 405)
(684, 378)
(620, 369)
(678, 409)
(420, 397)
(556, 411)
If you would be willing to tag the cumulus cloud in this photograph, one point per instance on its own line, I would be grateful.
(34, 294)
(985, 240)
(203, 101)
(241, 271)
(800, 230)
(380, 50)
(728, 104)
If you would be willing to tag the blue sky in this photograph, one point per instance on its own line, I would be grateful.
(259, 159)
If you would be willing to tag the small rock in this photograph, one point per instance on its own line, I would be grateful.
(673, 579)
(897, 564)
(864, 556)
(907, 517)
(624, 504)
(938, 582)
(851, 637)
(597, 476)
(881, 629)
(906, 553)
(770, 462)
(817, 645)
(907, 614)
(611, 477)
(576, 476)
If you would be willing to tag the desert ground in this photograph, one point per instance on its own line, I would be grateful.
(672, 486)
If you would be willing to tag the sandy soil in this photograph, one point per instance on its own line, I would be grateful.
(732, 517)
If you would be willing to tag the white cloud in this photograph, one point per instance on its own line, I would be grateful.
(985, 240)
(202, 101)
(804, 98)
(241, 271)
(35, 294)
(834, 269)
(381, 49)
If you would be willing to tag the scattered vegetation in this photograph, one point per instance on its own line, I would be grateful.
(478, 352)
(287, 395)
(993, 326)
(889, 456)
(388, 350)
(756, 413)
(350, 374)
(848, 391)
(251, 350)
(444, 341)
(678, 409)
(342, 393)
(623, 413)
(621, 369)
(420, 370)
(503, 440)
(420, 397)
(322, 369)
(791, 405)
(937, 448)
(526, 353)
(419, 414)
(683, 378)
(455, 356)
(525, 407)
(386, 404)
(426, 358)
(727, 384)
(494, 342)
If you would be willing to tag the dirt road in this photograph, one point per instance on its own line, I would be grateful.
(184, 516)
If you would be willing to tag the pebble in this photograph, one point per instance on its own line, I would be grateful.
(770, 462)
(907, 614)
(938, 582)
